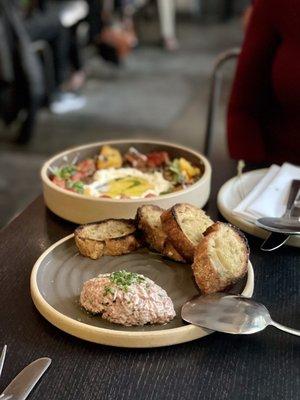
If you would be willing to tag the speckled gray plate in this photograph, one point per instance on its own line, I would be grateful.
(60, 272)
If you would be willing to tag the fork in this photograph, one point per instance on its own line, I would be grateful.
(2, 359)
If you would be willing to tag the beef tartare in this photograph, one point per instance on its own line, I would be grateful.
(127, 298)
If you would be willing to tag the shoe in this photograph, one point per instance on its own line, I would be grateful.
(171, 44)
(66, 102)
(73, 12)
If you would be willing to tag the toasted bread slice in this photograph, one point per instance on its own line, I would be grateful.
(184, 225)
(111, 237)
(148, 221)
(221, 258)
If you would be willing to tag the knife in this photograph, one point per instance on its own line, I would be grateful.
(276, 239)
(24, 382)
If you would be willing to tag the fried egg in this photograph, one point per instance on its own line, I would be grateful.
(126, 183)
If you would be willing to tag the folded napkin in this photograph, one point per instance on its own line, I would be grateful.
(268, 198)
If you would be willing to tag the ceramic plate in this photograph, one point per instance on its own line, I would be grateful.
(58, 276)
(233, 192)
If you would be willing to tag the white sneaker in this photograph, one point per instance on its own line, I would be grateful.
(73, 12)
(67, 102)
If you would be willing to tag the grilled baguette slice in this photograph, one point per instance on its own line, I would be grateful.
(221, 258)
(111, 237)
(148, 221)
(184, 225)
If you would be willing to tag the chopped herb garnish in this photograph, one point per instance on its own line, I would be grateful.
(65, 172)
(107, 290)
(135, 183)
(166, 192)
(174, 168)
(124, 279)
(77, 186)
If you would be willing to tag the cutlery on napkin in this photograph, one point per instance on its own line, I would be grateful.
(282, 228)
(272, 196)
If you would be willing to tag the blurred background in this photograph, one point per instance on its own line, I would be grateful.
(74, 72)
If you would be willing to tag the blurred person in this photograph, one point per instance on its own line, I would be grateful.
(43, 23)
(264, 110)
(167, 17)
(167, 20)
(22, 86)
(112, 27)
(246, 17)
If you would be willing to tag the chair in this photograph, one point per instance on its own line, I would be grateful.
(43, 48)
(214, 93)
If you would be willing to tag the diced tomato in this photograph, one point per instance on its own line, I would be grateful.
(59, 182)
(77, 176)
(135, 160)
(86, 167)
(157, 158)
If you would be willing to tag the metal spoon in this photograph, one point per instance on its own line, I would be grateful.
(233, 314)
(288, 224)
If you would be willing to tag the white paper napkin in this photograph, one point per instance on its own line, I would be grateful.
(269, 197)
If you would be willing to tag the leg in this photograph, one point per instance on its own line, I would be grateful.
(77, 78)
(166, 9)
(46, 26)
(94, 18)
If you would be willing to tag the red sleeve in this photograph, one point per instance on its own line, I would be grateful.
(252, 84)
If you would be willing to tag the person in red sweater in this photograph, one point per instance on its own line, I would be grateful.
(263, 122)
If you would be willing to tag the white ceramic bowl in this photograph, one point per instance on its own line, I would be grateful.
(82, 209)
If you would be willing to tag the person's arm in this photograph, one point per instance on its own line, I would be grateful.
(252, 85)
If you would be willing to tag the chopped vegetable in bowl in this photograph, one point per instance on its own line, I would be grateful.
(132, 175)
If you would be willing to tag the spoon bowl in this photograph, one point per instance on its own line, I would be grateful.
(227, 313)
(288, 226)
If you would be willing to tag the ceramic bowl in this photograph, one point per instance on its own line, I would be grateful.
(82, 209)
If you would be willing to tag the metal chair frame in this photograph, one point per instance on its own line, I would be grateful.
(42, 47)
(214, 93)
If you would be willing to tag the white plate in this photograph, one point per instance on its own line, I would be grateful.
(233, 192)
(58, 275)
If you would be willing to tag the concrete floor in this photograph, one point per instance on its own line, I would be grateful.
(155, 95)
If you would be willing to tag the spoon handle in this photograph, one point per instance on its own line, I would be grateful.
(285, 328)
(274, 241)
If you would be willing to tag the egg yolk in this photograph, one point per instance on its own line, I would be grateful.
(129, 186)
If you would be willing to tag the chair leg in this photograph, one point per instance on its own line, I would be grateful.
(26, 130)
(28, 125)
(214, 94)
(44, 49)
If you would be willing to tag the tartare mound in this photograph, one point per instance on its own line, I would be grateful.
(127, 298)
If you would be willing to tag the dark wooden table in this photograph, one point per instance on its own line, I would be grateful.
(261, 366)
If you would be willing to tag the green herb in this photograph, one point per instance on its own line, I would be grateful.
(107, 290)
(166, 191)
(124, 279)
(134, 184)
(174, 167)
(77, 186)
(66, 172)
